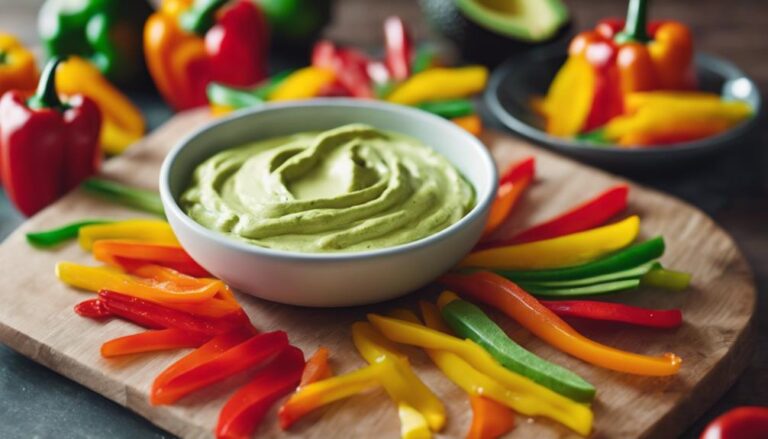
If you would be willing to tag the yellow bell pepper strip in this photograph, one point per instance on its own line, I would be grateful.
(164, 292)
(569, 99)
(440, 84)
(496, 291)
(506, 198)
(474, 370)
(564, 251)
(122, 122)
(304, 83)
(141, 199)
(18, 70)
(153, 341)
(489, 418)
(472, 123)
(674, 117)
(315, 395)
(413, 425)
(151, 231)
(398, 379)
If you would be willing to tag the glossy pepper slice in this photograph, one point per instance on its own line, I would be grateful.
(507, 197)
(152, 231)
(616, 312)
(152, 341)
(245, 409)
(564, 251)
(92, 309)
(303, 84)
(349, 68)
(47, 147)
(591, 213)
(636, 273)
(125, 252)
(503, 294)
(398, 47)
(18, 70)
(439, 84)
(317, 368)
(739, 423)
(224, 98)
(469, 321)
(472, 123)
(627, 258)
(450, 109)
(148, 201)
(257, 350)
(51, 237)
(471, 373)
(586, 290)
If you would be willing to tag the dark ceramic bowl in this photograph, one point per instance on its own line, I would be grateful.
(518, 80)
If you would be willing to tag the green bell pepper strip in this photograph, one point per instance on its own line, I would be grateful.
(587, 290)
(666, 279)
(423, 60)
(449, 109)
(632, 273)
(51, 237)
(624, 259)
(469, 321)
(140, 199)
(106, 32)
(236, 98)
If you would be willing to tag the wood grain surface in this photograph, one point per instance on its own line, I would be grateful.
(36, 316)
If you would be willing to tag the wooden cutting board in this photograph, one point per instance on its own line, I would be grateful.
(36, 316)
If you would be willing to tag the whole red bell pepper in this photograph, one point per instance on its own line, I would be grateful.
(189, 44)
(739, 423)
(47, 146)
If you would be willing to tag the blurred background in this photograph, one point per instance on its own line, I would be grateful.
(732, 187)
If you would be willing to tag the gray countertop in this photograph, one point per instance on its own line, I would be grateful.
(731, 187)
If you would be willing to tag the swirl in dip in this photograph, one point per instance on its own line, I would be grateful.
(352, 188)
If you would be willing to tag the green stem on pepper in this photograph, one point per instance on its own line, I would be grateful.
(636, 26)
(45, 96)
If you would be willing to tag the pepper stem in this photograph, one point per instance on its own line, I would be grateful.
(3, 57)
(200, 17)
(45, 96)
(636, 27)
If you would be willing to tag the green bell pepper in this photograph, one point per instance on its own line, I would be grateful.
(107, 32)
(469, 321)
(586, 290)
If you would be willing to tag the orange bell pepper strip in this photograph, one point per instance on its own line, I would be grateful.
(18, 70)
(124, 253)
(564, 251)
(489, 418)
(152, 341)
(506, 198)
(472, 123)
(509, 298)
(123, 123)
(317, 368)
(257, 350)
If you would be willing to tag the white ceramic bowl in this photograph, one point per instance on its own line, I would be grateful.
(328, 279)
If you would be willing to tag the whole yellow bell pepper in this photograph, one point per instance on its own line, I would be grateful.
(304, 83)
(123, 123)
(154, 231)
(18, 70)
(440, 84)
(564, 251)
(474, 370)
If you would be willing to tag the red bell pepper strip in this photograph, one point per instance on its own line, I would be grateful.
(399, 48)
(592, 213)
(125, 252)
(350, 67)
(47, 146)
(244, 410)
(317, 367)
(506, 198)
(153, 315)
(93, 309)
(509, 298)
(490, 419)
(739, 423)
(519, 170)
(616, 312)
(151, 341)
(257, 350)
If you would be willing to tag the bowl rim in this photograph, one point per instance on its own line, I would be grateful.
(482, 203)
(714, 63)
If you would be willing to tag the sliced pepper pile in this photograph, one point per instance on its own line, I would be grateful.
(405, 77)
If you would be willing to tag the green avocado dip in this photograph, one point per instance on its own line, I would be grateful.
(352, 188)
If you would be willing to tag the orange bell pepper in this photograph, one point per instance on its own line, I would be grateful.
(152, 341)
(505, 295)
(506, 199)
(489, 418)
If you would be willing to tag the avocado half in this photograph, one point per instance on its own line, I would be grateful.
(489, 31)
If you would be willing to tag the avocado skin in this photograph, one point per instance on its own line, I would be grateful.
(476, 43)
